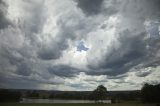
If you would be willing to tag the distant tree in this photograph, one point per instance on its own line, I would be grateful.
(113, 100)
(100, 93)
(32, 94)
(51, 96)
(150, 93)
(43, 97)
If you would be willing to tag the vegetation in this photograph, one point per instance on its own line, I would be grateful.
(80, 104)
(151, 93)
(70, 95)
(8, 96)
(100, 93)
(32, 94)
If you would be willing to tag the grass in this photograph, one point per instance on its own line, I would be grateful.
(76, 104)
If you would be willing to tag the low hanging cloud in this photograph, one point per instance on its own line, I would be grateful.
(63, 71)
(54, 44)
(90, 7)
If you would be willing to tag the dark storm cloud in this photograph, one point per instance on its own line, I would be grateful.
(4, 22)
(154, 45)
(90, 7)
(131, 52)
(52, 51)
(141, 9)
(153, 63)
(24, 69)
(26, 62)
(12, 59)
(48, 54)
(63, 71)
(138, 54)
(19, 83)
(11, 56)
(24, 82)
(133, 49)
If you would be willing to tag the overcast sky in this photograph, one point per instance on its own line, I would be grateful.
(79, 44)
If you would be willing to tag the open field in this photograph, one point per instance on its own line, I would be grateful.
(31, 104)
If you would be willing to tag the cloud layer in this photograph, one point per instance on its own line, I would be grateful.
(79, 44)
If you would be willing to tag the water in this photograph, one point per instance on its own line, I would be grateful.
(24, 100)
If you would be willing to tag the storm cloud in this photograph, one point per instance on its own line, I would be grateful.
(63, 71)
(79, 44)
(4, 22)
(90, 7)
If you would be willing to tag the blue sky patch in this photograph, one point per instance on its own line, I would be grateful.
(81, 47)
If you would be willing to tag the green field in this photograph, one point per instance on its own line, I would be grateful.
(80, 104)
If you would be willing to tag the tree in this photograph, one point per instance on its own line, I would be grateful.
(150, 93)
(32, 94)
(100, 93)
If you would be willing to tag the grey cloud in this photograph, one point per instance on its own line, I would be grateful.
(63, 71)
(29, 58)
(48, 54)
(153, 46)
(90, 7)
(21, 80)
(4, 22)
(22, 66)
(35, 23)
(21, 83)
(133, 46)
(133, 51)
(95, 80)
(142, 8)
(24, 69)
(12, 55)
(9, 61)
(119, 81)
(118, 61)
(51, 51)
(153, 57)
(99, 7)
(111, 7)
(152, 64)
(117, 77)
(55, 48)
(143, 74)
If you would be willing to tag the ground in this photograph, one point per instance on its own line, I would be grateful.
(118, 104)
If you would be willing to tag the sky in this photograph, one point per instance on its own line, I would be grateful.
(79, 44)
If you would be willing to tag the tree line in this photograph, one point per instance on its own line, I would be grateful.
(149, 93)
